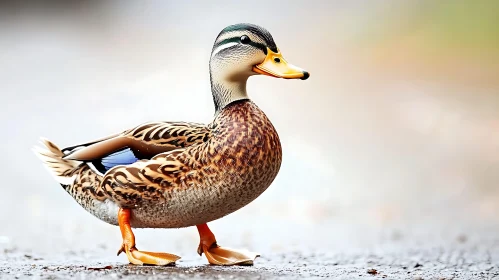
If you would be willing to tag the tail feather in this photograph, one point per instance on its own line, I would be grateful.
(62, 169)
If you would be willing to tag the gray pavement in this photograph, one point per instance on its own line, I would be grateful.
(458, 259)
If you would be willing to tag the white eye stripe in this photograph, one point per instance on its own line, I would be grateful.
(223, 47)
(231, 34)
(235, 34)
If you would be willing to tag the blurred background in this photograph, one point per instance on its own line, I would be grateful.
(394, 137)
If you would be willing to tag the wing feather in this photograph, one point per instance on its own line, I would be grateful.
(144, 142)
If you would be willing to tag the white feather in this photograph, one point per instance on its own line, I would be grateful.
(92, 167)
(223, 47)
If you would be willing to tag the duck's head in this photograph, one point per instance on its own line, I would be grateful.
(241, 51)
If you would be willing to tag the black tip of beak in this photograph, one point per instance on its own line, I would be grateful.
(305, 75)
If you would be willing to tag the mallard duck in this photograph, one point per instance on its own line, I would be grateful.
(182, 174)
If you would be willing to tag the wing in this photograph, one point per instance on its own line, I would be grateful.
(142, 142)
(154, 179)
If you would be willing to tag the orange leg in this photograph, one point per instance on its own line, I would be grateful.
(221, 256)
(135, 256)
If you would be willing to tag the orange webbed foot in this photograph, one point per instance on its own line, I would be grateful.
(135, 256)
(217, 255)
(148, 258)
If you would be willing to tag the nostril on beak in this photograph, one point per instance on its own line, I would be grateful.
(305, 75)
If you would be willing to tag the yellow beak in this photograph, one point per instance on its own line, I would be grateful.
(275, 65)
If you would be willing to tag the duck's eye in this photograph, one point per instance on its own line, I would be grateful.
(245, 39)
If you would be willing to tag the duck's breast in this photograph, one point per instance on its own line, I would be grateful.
(224, 174)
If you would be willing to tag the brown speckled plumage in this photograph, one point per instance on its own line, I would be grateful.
(235, 159)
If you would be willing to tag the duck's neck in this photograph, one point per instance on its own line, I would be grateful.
(226, 91)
